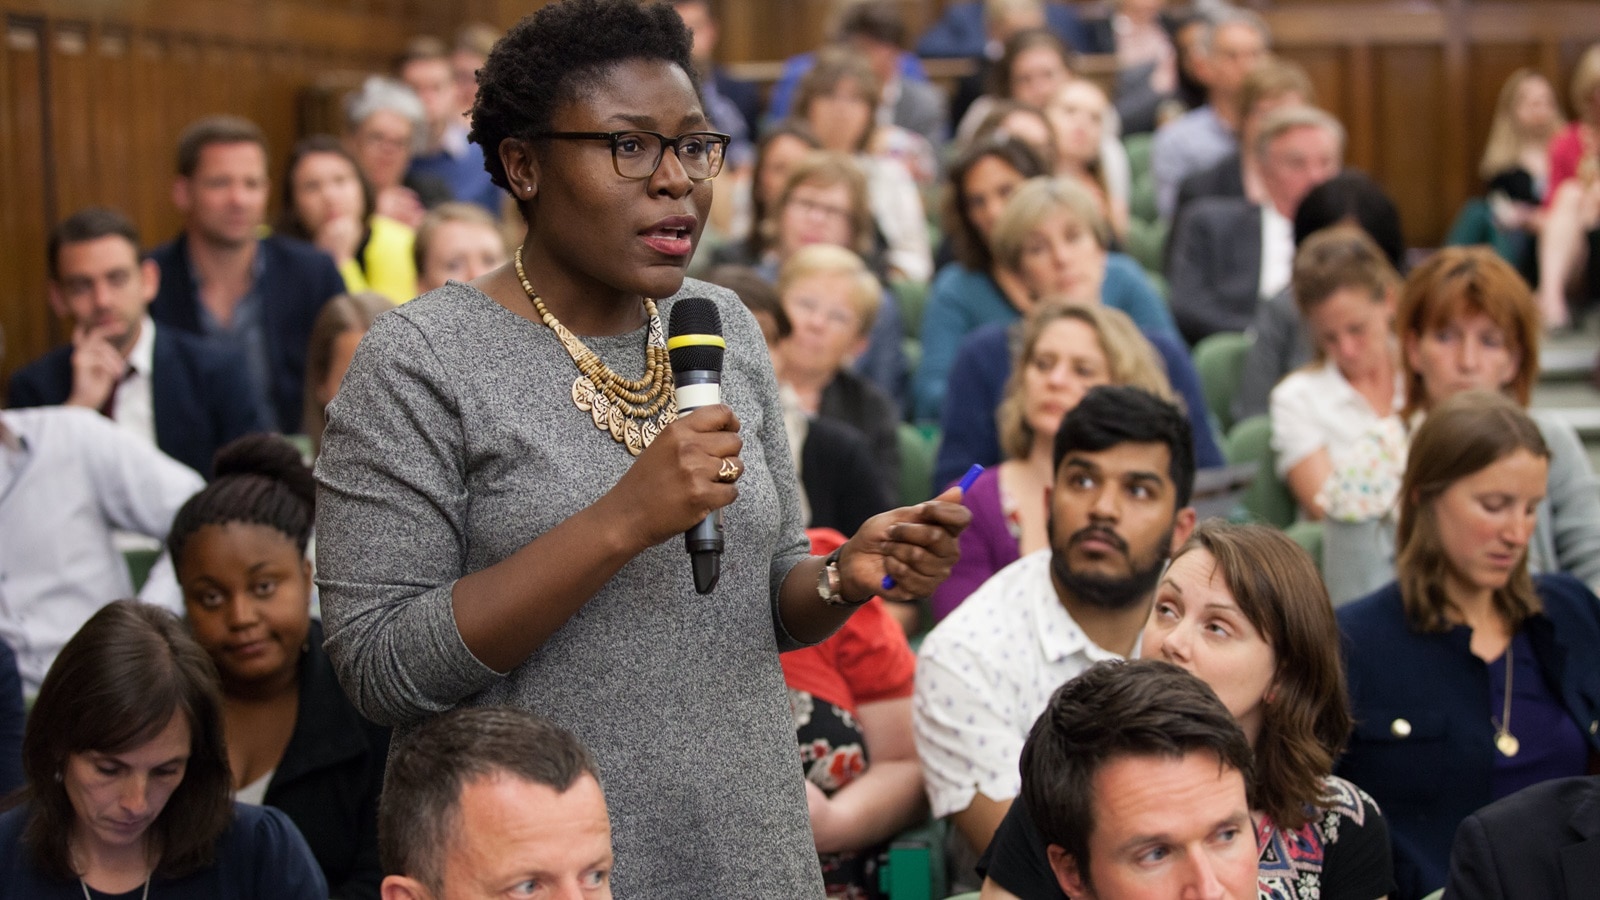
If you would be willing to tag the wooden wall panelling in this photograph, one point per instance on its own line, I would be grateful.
(159, 111)
(1410, 133)
(118, 172)
(24, 198)
(69, 68)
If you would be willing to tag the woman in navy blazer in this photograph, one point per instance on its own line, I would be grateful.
(1432, 657)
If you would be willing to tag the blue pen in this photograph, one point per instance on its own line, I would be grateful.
(965, 485)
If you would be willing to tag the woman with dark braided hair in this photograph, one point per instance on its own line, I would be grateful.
(505, 479)
(294, 740)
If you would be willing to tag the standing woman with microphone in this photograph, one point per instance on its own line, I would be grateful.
(504, 488)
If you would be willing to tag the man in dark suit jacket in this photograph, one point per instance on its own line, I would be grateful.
(221, 279)
(1228, 254)
(186, 396)
(1541, 843)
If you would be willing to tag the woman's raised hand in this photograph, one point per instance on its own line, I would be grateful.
(914, 545)
(685, 474)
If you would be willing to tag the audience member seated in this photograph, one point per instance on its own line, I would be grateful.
(1347, 292)
(781, 148)
(334, 338)
(851, 700)
(1243, 608)
(127, 789)
(1466, 321)
(69, 479)
(825, 201)
(1230, 43)
(1088, 148)
(1465, 629)
(841, 485)
(1572, 201)
(1516, 172)
(481, 798)
(294, 741)
(1065, 351)
(456, 242)
(832, 299)
(972, 290)
(468, 52)
(1135, 778)
(170, 388)
(221, 279)
(1230, 253)
(1019, 121)
(328, 202)
(1118, 509)
(876, 30)
(781, 99)
(445, 152)
(1536, 844)
(1034, 66)
(1279, 343)
(384, 125)
(732, 106)
(1000, 20)
(836, 99)
(1051, 238)
(1273, 85)
(1140, 34)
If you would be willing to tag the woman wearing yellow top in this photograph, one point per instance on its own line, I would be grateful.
(327, 201)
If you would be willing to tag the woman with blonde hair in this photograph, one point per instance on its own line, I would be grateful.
(1052, 239)
(1465, 629)
(1516, 164)
(1572, 202)
(1066, 349)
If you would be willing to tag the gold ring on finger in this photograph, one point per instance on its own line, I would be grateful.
(730, 470)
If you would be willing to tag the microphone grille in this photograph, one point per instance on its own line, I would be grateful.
(695, 316)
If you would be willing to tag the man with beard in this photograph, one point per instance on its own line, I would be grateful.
(1119, 507)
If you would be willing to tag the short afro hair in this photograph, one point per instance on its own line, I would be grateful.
(550, 57)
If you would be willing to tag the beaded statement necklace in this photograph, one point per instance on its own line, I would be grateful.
(632, 411)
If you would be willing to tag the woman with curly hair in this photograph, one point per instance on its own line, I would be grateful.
(505, 478)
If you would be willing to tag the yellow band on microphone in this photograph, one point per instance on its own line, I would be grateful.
(696, 340)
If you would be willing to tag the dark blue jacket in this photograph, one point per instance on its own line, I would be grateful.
(296, 280)
(200, 394)
(1541, 842)
(1432, 775)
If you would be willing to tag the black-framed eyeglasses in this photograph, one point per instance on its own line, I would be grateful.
(637, 154)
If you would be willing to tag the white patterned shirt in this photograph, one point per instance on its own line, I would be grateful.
(984, 674)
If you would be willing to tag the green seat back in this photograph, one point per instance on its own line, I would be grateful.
(912, 297)
(1267, 500)
(915, 868)
(918, 446)
(1142, 182)
(139, 564)
(1219, 361)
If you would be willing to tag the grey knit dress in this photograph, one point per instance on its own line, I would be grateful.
(453, 442)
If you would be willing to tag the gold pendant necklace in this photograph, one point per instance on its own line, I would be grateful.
(633, 412)
(1504, 740)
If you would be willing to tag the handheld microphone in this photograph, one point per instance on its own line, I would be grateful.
(695, 347)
